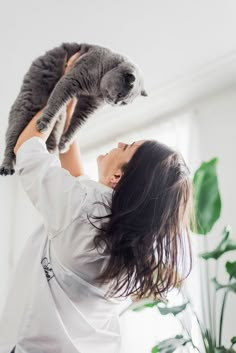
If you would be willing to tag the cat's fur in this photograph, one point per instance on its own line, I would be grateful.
(97, 76)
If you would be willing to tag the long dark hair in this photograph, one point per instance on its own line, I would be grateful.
(149, 221)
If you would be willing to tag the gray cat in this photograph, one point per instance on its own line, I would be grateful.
(97, 76)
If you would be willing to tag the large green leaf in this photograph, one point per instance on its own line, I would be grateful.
(172, 310)
(170, 345)
(229, 287)
(231, 269)
(225, 245)
(207, 202)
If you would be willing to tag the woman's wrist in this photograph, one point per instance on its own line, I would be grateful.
(71, 160)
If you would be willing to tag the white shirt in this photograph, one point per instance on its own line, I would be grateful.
(53, 305)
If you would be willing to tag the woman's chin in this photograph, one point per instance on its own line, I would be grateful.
(100, 157)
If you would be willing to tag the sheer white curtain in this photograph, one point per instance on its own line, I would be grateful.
(142, 330)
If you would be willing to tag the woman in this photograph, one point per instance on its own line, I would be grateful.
(100, 243)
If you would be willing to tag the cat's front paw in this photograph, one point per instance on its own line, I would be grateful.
(7, 169)
(64, 145)
(42, 124)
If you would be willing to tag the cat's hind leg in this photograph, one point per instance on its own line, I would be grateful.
(6, 168)
(7, 165)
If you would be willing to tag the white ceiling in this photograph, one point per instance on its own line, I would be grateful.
(167, 39)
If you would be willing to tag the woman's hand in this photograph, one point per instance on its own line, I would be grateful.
(70, 62)
(71, 105)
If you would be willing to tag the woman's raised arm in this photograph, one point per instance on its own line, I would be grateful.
(71, 160)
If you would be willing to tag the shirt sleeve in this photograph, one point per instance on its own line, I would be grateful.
(56, 194)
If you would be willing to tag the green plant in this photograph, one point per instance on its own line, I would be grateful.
(207, 208)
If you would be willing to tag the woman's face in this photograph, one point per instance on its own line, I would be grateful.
(109, 164)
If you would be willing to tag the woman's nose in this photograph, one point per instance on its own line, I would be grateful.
(121, 144)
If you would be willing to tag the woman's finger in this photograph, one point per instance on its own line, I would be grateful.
(71, 61)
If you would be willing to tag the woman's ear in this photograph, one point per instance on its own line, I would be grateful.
(114, 179)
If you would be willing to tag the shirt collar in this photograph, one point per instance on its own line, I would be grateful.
(104, 187)
(100, 186)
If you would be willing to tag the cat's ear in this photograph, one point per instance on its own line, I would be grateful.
(144, 93)
(129, 78)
